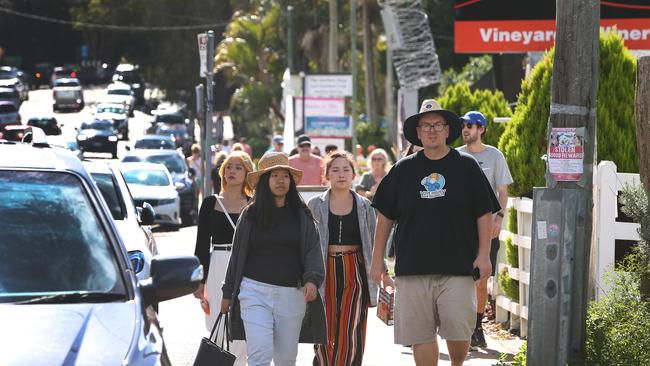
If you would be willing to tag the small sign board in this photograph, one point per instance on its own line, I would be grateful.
(328, 85)
(566, 153)
(328, 126)
(203, 53)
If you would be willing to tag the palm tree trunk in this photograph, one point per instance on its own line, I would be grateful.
(368, 59)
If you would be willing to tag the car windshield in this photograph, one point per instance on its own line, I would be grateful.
(146, 177)
(66, 83)
(8, 108)
(6, 74)
(170, 118)
(41, 122)
(52, 240)
(108, 188)
(8, 95)
(119, 92)
(173, 163)
(66, 94)
(98, 125)
(110, 109)
(176, 131)
(155, 144)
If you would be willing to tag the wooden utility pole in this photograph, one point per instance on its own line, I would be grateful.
(332, 52)
(563, 280)
(642, 112)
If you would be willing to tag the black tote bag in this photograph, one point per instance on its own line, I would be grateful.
(211, 354)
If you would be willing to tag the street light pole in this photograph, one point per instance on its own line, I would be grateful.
(207, 153)
(353, 71)
(290, 38)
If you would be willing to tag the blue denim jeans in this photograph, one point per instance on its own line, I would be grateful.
(272, 317)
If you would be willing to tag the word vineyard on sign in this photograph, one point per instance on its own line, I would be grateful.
(502, 26)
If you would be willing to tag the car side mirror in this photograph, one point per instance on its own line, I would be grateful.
(171, 277)
(146, 214)
(127, 147)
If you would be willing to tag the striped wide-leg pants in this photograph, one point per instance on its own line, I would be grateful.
(346, 305)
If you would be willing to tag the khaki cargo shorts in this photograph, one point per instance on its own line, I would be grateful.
(426, 305)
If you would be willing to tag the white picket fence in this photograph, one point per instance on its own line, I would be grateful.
(608, 183)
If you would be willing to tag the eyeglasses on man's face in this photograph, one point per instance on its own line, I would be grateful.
(470, 125)
(435, 127)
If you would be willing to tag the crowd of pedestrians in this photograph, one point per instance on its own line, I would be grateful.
(291, 272)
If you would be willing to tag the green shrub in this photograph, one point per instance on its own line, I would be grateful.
(618, 325)
(524, 140)
(512, 253)
(460, 100)
(518, 360)
(509, 286)
(512, 220)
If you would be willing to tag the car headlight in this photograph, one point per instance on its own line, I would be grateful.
(112, 138)
(166, 201)
(82, 137)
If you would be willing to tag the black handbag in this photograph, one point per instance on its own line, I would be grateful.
(211, 354)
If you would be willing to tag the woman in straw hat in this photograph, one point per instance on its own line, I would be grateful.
(276, 268)
(347, 226)
(216, 228)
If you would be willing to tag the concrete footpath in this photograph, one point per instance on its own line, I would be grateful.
(381, 351)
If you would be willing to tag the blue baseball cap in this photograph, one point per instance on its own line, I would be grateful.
(474, 117)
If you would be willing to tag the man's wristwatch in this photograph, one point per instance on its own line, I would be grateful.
(500, 214)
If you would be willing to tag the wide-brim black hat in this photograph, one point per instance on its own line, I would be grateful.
(429, 106)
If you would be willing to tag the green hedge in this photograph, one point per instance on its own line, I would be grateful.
(509, 286)
(512, 253)
(524, 140)
(460, 100)
(512, 220)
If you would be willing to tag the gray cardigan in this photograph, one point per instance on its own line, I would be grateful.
(314, 329)
(319, 206)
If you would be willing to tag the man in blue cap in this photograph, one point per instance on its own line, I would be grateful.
(496, 170)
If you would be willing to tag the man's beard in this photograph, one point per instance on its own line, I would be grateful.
(470, 139)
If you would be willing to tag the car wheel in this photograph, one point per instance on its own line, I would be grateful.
(174, 227)
(114, 153)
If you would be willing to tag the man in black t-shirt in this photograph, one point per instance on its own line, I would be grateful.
(443, 206)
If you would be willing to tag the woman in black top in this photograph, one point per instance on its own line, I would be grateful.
(276, 268)
(217, 219)
(346, 222)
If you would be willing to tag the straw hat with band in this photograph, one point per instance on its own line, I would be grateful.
(428, 106)
(271, 161)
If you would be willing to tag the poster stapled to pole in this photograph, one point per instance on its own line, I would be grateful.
(566, 153)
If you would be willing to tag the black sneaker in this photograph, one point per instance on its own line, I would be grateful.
(478, 339)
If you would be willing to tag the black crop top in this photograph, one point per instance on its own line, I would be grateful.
(344, 229)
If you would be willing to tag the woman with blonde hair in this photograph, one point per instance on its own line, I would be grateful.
(217, 218)
(346, 222)
(379, 164)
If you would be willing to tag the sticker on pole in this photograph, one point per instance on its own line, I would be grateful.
(566, 154)
(203, 53)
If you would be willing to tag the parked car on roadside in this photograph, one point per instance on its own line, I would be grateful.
(14, 78)
(49, 125)
(66, 279)
(10, 94)
(180, 134)
(155, 142)
(67, 95)
(117, 113)
(132, 222)
(174, 161)
(8, 115)
(98, 136)
(153, 184)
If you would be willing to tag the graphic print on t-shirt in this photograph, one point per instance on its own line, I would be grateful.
(434, 184)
